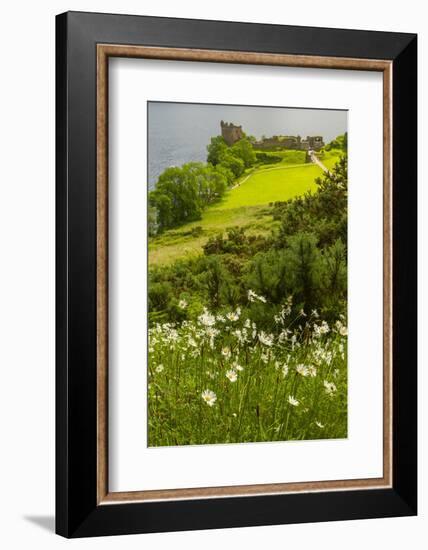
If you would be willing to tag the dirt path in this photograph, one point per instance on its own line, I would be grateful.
(317, 161)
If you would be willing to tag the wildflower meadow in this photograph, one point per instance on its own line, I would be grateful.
(248, 300)
(222, 380)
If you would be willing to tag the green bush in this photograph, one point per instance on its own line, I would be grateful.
(265, 158)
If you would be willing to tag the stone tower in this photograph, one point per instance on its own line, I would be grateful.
(231, 133)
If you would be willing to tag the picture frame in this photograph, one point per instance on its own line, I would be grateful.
(84, 44)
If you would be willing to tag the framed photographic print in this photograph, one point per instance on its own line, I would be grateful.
(236, 274)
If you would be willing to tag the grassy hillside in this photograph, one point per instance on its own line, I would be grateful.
(189, 239)
(242, 206)
(330, 158)
(273, 184)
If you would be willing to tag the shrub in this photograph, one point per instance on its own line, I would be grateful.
(264, 158)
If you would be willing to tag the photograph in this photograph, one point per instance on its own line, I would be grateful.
(247, 274)
(213, 262)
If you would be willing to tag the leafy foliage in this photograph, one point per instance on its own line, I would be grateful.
(216, 149)
(341, 142)
(305, 257)
(243, 150)
(182, 193)
(265, 158)
(323, 213)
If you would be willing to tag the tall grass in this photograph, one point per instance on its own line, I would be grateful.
(220, 379)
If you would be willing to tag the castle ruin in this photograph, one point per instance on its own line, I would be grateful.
(275, 143)
(231, 133)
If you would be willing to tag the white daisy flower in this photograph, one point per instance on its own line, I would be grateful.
(253, 297)
(209, 397)
(237, 366)
(312, 371)
(266, 339)
(302, 370)
(265, 358)
(234, 315)
(226, 352)
(293, 401)
(182, 304)
(232, 375)
(206, 318)
(329, 387)
(159, 368)
(341, 328)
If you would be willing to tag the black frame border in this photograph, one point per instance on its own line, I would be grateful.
(77, 512)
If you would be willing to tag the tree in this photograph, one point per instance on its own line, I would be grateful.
(216, 149)
(232, 163)
(152, 220)
(227, 174)
(244, 150)
(334, 273)
(269, 275)
(215, 277)
(182, 193)
(304, 260)
(176, 198)
(161, 202)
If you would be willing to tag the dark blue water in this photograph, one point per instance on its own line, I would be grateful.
(180, 132)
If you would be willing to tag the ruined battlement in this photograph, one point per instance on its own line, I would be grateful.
(230, 132)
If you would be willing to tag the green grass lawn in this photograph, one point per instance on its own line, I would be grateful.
(179, 243)
(272, 184)
(243, 206)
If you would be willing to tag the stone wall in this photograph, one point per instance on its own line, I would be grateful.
(290, 142)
